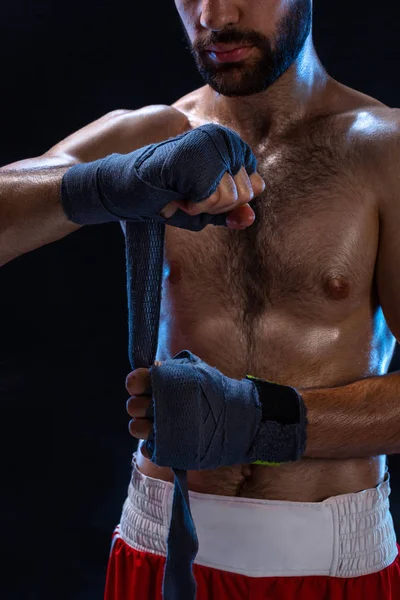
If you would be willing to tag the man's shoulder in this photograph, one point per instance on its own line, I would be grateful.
(360, 117)
(374, 138)
(376, 122)
(122, 131)
(161, 117)
(191, 106)
(371, 133)
(377, 133)
(365, 119)
(368, 131)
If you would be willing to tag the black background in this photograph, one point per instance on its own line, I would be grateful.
(64, 444)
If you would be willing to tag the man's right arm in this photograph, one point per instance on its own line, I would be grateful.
(31, 213)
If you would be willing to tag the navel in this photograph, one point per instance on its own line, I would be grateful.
(337, 288)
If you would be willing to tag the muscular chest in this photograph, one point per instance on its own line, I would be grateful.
(312, 247)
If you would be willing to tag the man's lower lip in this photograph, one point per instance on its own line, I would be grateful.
(232, 56)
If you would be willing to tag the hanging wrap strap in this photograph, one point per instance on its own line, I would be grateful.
(102, 191)
(144, 270)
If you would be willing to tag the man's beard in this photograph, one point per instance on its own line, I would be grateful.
(257, 74)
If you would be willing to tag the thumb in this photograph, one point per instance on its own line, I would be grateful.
(169, 210)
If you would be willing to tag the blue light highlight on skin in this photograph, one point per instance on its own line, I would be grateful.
(370, 124)
(365, 121)
(383, 345)
(166, 270)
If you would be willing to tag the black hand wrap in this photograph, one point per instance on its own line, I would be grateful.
(205, 420)
(137, 186)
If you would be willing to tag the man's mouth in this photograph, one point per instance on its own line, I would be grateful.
(222, 53)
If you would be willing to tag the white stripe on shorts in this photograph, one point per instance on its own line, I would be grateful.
(344, 536)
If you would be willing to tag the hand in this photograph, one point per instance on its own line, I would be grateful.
(137, 384)
(210, 166)
(232, 196)
(204, 419)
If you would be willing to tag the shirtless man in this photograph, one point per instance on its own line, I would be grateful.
(308, 296)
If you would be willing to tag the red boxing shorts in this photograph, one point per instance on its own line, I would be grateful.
(343, 548)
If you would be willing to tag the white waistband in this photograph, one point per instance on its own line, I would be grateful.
(344, 536)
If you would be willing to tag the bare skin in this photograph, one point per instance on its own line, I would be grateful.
(294, 297)
(31, 214)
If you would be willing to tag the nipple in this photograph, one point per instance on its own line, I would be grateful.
(337, 287)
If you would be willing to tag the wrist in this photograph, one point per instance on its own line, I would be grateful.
(280, 403)
(282, 432)
(81, 198)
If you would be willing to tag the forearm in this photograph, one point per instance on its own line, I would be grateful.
(356, 420)
(31, 214)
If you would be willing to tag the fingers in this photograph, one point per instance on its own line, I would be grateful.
(169, 210)
(136, 406)
(240, 217)
(244, 187)
(222, 200)
(257, 183)
(138, 382)
(140, 428)
(231, 193)
(232, 196)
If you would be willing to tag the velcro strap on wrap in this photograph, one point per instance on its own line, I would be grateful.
(205, 420)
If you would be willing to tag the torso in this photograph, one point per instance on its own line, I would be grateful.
(291, 299)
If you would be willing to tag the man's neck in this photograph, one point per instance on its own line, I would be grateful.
(300, 92)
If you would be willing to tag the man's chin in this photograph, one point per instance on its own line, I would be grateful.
(231, 93)
(229, 83)
(234, 80)
(233, 89)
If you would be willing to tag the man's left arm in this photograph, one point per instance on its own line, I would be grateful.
(355, 420)
(363, 418)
